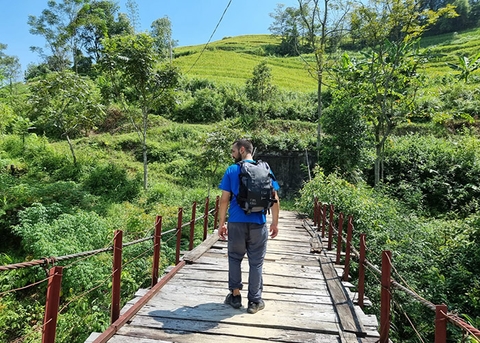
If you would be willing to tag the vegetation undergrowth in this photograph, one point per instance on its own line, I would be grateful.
(391, 118)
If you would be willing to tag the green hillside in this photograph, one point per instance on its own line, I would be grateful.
(232, 59)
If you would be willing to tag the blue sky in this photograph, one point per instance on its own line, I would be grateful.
(193, 21)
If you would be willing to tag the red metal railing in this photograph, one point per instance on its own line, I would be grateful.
(442, 316)
(55, 273)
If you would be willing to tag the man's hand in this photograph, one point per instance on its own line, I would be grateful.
(223, 231)
(273, 230)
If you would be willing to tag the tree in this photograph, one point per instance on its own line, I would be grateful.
(287, 25)
(161, 31)
(134, 57)
(133, 16)
(53, 25)
(67, 102)
(96, 21)
(6, 117)
(10, 101)
(259, 88)
(324, 25)
(387, 76)
(9, 67)
(345, 137)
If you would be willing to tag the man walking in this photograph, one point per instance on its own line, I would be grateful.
(247, 233)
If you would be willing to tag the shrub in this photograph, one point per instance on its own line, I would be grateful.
(111, 181)
(433, 174)
(461, 99)
(114, 119)
(345, 139)
(47, 231)
(294, 106)
(205, 107)
(417, 248)
(236, 102)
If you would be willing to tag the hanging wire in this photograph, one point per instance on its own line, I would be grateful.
(24, 287)
(408, 319)
(211, 36)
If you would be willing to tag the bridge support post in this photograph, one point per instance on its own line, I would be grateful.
(348, 249)
(205, 218)
(179, 235)
(319, 216)
(315, 213)
(157, 239)
(330, 228)
(52, 304)
(339, 238)
(324, 219)
(116, 275)
(385, 296)
(192, 225)
(361, 270)
(441, 324)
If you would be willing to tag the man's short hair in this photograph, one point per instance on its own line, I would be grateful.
(244, 143)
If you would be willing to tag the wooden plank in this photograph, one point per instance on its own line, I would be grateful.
(348, 337)
(193, 255)
(315, 245)
(214, 314)
(286, 270)
(312, 301)
(298, 305)
(200, 331)
(221, 289)
(268, 280)
(216, 259)
(343, 305)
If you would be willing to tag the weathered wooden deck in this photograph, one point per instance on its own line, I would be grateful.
(304, 299)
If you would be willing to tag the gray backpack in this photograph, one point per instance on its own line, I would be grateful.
(256, 192)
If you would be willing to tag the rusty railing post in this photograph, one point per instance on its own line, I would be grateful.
(315, 213)
(192, 225)
(116, 275)
(339, 237)
(361, 270)
(441, 323)
(330, 228)
(324, 219)
(348, 249)
(157, 238)
(215, 222)
(52, 304)
(319, 216)
(385, 296)
(179, 235)
(205, 218)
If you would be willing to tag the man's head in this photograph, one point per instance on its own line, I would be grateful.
(242, 149)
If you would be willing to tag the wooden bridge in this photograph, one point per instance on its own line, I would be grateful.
(304, 297)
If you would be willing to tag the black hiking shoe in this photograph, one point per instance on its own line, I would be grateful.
(255, 307)
(234, 300)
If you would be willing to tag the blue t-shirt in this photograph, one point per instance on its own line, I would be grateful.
(231, 183)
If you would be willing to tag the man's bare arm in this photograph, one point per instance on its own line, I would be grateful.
(222, 210)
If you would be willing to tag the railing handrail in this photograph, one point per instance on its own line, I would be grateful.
(46, 261)
(320, 217)
(56, 272)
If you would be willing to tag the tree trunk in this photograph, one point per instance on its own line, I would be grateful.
(144, 148)
(319, 113)
(71, 149)
(378, 163)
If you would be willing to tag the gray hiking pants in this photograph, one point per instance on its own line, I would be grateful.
(251, 239)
